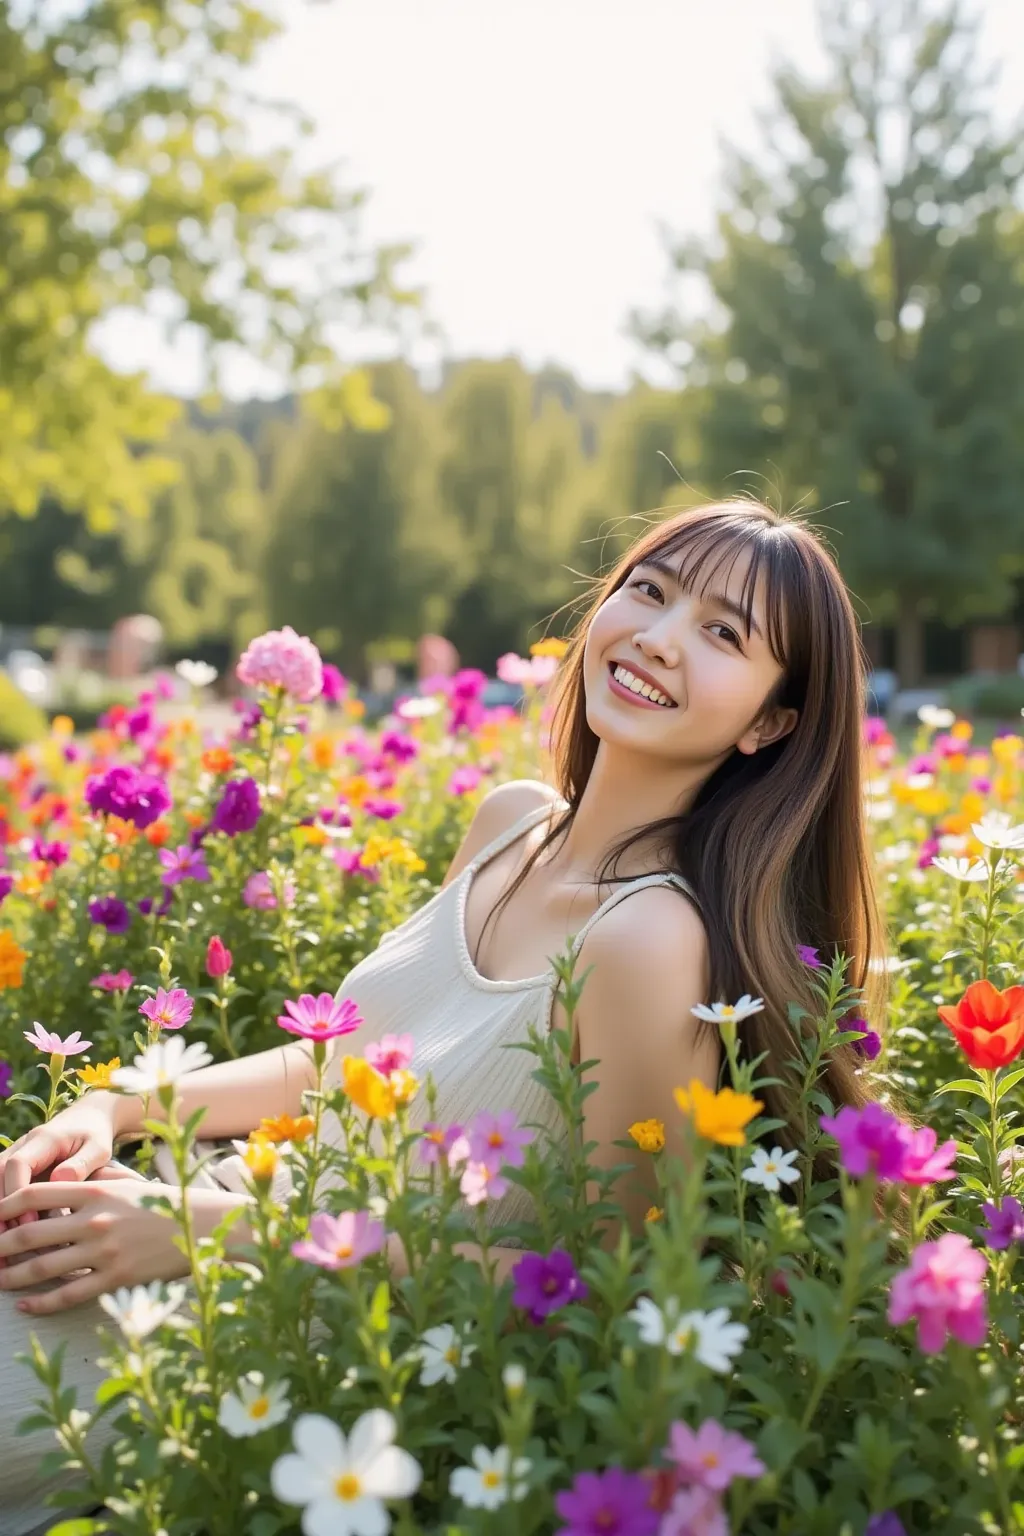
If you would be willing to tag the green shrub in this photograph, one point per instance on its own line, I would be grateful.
(20, 720)
(993, 695)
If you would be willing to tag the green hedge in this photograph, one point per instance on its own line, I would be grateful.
(998, 696)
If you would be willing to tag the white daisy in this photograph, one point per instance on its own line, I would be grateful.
(342, 1481)
(198, 674)
(729, 1013)
(881, 810)
(161, 1064)
(252, 1407)
(772, 1169)
(492, 1480)
(718, 1340)
(418, 709)
(138, 1312)
(935, 717)
(996, 830)
(920, 780)
(962, 869)
(443, 1354)
(713, 1339)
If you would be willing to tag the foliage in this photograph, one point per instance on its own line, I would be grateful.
(21, 721)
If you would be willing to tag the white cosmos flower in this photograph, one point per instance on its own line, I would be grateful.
(771, 1169)
(418, 709)
(729, 1013)
(342, 1481)
(896, 853)
(881, 810)
(138, 1312)
(952, 842)
(492, 1480)
(712, 1337)
(920, 780)
(198, 674)
(252, 1407)
(935, 717)
(962, 869)
(160, 1064)
(443, 1354)
(996, 830)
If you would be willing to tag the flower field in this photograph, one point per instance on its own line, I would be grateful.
(822, 1340)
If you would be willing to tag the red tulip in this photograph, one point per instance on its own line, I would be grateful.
(988, 1024)
(218, 959)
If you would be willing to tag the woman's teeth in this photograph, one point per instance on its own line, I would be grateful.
(636, 685)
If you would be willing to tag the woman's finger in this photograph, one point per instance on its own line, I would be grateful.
(47, 1266)
(48, 1197)
(18, 1240)
(75, 1293)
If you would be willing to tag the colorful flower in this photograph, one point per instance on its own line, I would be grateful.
(342, 1482)
(887, 1524)
(283, 1128)
(729, 1013)
(609, 1503)
(440, 1141)
(335, 685)
(110, 912)
(809, 956)
(113, 981)
(128, 793)
(6, 1079)
(12, 960)
(712, 1456)
(694, 1512)
(367, 1088)
(253, 1407)
(988, 1025)
(497, 1141)
(871, 1140)
(715, 1341)
(649, 1135)
(168, 1010)
(1005, 1223)
(183, 863)
(391, 1053)
(942, 1289)
(161, 1065)
(238, 809)
(545, 1282)
(53, 1045)
(480, 1182)
(258, 892)
(320, 1018)
(99, 1076)
(282, 659)
(923, 1161)
(465, 780)
(218, 958)
(6, 886)
(719, 1117)
(338, 1242)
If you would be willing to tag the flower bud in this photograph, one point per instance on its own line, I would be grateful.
(218, 959)
(513, 1378)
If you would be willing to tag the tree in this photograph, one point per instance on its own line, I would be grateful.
(865, 353)
(127, 182)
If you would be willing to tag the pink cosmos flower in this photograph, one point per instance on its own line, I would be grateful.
(258, 892)
(391, 1053)
(338, 1242)
(350, 862)
(170, 1010)
(514, 669)
(464, 780)
(320, 1018)
(923, 1162)
(113, 981)
(183, 863)
(53, 1045)
(497, 1141)
(481, 1182)
(711, 1456)
(439, 1141)
(942, 1289)
(694, 1512)
(283, 659)
(870, 1140)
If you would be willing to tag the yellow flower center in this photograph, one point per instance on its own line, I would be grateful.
(343, 1251)
(453, 1355)
(260, 1408)
(728, 1012)
(709, 1460)
(347, 1486)
(769, 1166)
(491, 1479)
(495, 1139)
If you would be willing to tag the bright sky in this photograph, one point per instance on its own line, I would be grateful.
(531, 148)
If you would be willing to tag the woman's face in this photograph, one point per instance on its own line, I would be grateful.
(710, 678)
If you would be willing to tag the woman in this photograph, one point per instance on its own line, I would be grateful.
(707, 744)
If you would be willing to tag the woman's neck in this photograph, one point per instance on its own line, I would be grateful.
(623, 794)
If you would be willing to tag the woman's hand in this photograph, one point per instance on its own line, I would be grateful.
(102, 1228)
(68, 1148)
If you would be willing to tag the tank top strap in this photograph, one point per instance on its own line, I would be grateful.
(643, 883)
(511, 835)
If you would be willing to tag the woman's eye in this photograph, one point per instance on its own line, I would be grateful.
(644, 581)
(730, 634)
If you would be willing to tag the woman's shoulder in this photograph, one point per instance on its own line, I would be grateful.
(498, 812)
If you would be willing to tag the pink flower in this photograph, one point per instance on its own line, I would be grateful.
(283, 659)
(170, 1010)
(338, 1242)
(320, 1018)
(694, 1512)
(113, 981)
(439, 1141)
(481, 1182)
(464, 780)
(923, 1162)
(496, 1140)
(183, 863)
(809, 955)
(258, 892)
(392, 1053)
(53, 1045)
(514, 669)
(871, 1140)
(350, 862)
(712, 1456)
(218, 958)
(942, 1289)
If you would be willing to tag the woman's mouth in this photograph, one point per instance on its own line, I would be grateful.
(637, 687)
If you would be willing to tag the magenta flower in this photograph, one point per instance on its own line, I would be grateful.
(398, 745)
(440, 1141)
(6, 1078)
(871, 1140)
(609, 1503)
(110, 913)
(942, 1289)
(546, 1282)
(282, 659)
(337, 1242)
(113, 981)
(170, 1010)
(238, 809)
(55, 853)
(497, 1141)
(809, 956)
(383, 808)
(124, 791)
(350, 862)
(923, 1162)
(870, 1045)
(1005, 1223)
(6, 886)
(184, 863)
(887, 1524)
(694, 1512)
(391, 1053)
(464, 780)
(320, 1018)
(712, 1456)
(335, 684)
(258, 892)
(53, 1045)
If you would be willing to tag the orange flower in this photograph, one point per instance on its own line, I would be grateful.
(111, 861)
(972, 805)
(718, 1117)
(217, 760)
(367, 1089)
(963, 730)
(12, 960)
(313, 836)
(165, 758)
(261, 1160)
(158, 833)
(649, 1135)
(354, 790)
(956, 762)
(988, 1024)
(655, 1213)
(322, 751)
(195, 818)
(284, 1128)
(62, 725)
(354, 708)
(124, 832)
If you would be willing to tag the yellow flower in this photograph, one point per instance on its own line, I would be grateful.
(391, 850)
(321, 750)
(404, 1085)
(655, 1214)
(12, 960)
(354, 708)
(354, 790)
(649, 1135)
(972, 805)
(718, 1117)
(99, 1076)
(62, 725)
(1004, 788)
(313, 836)
(963, 730)
(261, 1160)
(284, 1128)
(367, 1089)
(1006, 750)
(550, 647)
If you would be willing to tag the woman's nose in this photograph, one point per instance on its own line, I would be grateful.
(658, 644)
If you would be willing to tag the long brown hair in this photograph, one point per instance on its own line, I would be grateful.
(775, 843)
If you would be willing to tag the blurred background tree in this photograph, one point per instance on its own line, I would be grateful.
(864, 356)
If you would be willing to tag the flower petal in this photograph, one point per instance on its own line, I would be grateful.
(370, 1435)
(321, 1443)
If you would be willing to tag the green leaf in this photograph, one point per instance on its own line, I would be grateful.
(961, 1085)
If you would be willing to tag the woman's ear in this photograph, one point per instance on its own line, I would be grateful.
(770, 727)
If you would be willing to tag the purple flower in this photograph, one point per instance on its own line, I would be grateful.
(712, 1456)
(133, 796)
(110, 913)
(6, 886)
(6, 1078)
(183, 863)
(809, 956)
(251, 715)
(398, 745)
(440, 1141)
(140, 722)
(870, 1047)
(350, 862)
(870, 1140)
(923, 1161)
(51, 853)
(546, 1282)
(887, 1524)
(238, 809)
(1005, 1223)
(497, 1141)
(381, 807)
(335, 684)
(258, 892)
(609, 1503)
(147, 904)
